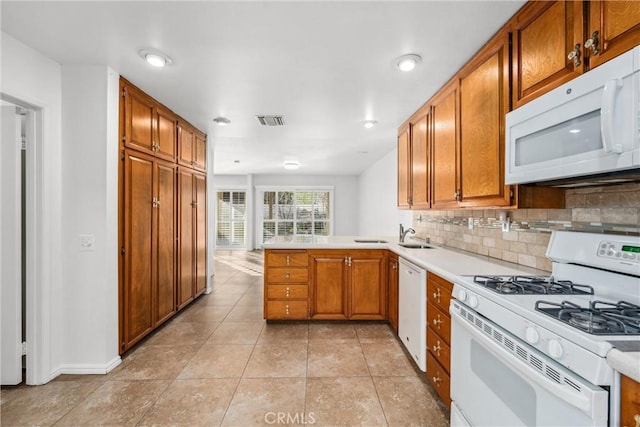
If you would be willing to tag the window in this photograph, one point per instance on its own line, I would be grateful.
(231, 219)
(288, 213)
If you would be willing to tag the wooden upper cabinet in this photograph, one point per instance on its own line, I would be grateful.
(484, 101)
(148, 127)
(420, 166)
(617, 24)
(404, 170)
(192, 147)
(444, 147)
(544, 34)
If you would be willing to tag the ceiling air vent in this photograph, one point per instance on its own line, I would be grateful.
(271, 120)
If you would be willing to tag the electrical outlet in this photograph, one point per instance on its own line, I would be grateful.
(470, 223)
(87, 242)
(506, 226)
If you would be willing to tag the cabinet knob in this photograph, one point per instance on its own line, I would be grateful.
(437, 322)
(287, 275)
(574, 55)
(288, 260)
(593, 43)
(636, 418)
(287, 292)
(286, 309)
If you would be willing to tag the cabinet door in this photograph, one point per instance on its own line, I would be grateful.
(200, 152)
(329, 291)
(484, 97)
(367, 286)
(629, 401)
(186, 226)
(186, 142)
(200, 231)
(444, 145)
(166, 125)
(404, 170)
(165, 241)
(138, 315)
(544, 34)
(420, 197)
(139, 116)
(618, 29)
(392, 309)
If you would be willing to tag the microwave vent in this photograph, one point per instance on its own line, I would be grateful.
(598, 180)
(271, 120)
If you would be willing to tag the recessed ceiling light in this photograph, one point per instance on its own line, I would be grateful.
(408, 62)
(574, 131)
(291, 164)
(236, 161)
(221, 121)
(155, 57)
(369, 123)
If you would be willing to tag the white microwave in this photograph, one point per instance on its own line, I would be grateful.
(585, 130)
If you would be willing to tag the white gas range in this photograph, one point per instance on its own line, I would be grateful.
(533, 349)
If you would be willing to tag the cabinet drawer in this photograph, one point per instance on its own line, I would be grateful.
(287, 310)
(287, 259)
(287, 291)
(439, 322)
(287, 275)
(439, 379)
(439, 292)
(440, 349)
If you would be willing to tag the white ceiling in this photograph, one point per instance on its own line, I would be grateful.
(326, 66)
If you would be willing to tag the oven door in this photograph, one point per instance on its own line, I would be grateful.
(496, 379)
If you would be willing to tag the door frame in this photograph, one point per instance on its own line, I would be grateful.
(38, 240)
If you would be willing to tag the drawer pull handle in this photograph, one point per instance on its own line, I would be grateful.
(437, 295)
(286, 309)
(287, 292)
(437, 321)
(437, 348)
(288, 260)
(287, 275)
(436, 380)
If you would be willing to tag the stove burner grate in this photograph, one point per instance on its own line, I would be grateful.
(531, 285)
(599, 318)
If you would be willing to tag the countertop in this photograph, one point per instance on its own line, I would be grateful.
(447, 263)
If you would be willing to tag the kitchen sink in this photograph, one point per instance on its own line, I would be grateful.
(414, 245)
(369, 241)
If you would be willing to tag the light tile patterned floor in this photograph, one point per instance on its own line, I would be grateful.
(218, 363)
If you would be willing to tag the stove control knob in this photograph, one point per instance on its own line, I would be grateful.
(473, 301)
(532, 335)
(555, 349)
(462, 295)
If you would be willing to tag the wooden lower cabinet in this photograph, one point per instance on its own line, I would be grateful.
(629, 402)
(392, 306)
(192, 235)
(286, 282)
(348, 284)
(149, 251)
(439, 335)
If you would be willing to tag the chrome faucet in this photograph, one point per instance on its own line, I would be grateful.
(404, 232)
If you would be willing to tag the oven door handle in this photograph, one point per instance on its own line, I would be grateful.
(574, 398)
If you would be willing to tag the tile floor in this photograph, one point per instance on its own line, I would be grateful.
(218, 363)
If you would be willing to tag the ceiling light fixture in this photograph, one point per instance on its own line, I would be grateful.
(369, 123)
(408, 62)
(155, 57)
(221, 121)
(291, 164)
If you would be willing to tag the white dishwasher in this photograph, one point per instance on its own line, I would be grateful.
(412, 311)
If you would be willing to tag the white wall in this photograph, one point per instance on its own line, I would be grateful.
(90, 207)
(378, 188)
(34, 79)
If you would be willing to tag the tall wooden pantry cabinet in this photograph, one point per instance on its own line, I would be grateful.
(162, 214)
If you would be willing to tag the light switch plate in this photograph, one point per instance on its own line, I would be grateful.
(87, 242)
(470, 223)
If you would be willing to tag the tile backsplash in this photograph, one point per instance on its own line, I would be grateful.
(611, 209)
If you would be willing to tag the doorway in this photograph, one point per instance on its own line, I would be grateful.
(18, 137)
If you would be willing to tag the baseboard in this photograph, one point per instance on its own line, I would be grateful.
(86, 368)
